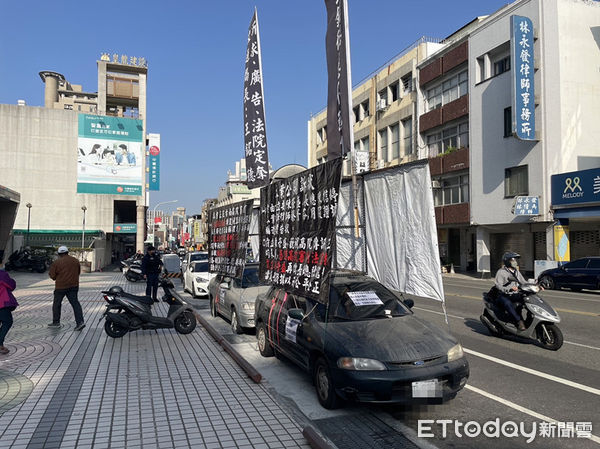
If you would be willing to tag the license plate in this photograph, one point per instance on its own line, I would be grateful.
(426, 389)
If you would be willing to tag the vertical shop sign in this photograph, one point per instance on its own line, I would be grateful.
(522, 60)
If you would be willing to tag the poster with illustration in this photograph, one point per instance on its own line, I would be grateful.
(109, 155)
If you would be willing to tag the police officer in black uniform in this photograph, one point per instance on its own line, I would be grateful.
(151, 267)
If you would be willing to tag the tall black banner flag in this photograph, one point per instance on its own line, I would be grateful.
(297, 230)
(339, 97)
(228, 228)
(255, 131)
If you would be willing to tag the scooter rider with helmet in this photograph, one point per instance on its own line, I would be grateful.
(508, 279)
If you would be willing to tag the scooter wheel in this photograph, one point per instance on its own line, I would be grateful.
(114, 330)
(185, 323)
(554, 338)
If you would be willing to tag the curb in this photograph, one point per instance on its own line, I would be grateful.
(228, 347)
(316, 439)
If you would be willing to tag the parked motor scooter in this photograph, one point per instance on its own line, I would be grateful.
(540, 321)
(24, 260)
(132, 270)
(126, 312)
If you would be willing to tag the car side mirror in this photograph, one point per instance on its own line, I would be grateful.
(296, 314)
(224, 285)
(409, 303)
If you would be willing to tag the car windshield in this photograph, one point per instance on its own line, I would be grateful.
(358, 300)
(251, 278)
(199, 256)
(200, 266)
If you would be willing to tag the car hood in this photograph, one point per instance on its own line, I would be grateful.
(399, 339)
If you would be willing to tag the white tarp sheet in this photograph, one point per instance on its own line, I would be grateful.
(402, 249)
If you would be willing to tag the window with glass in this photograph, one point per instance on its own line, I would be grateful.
(382, 96)
(452, 88)
(362, 144)
(451, 190)
(508, 122)
(450, 138)
(407, 136)
(395, 134)
(383, 144)
(502, 65)
(364, 110)
(516, 181)
(407, 86)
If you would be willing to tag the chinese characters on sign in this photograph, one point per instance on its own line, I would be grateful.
(297, 230)
(526, 205)
(337, 46)
(522, 64)
(228, 238)
(255, 133)
(154, 161)
(134, 61)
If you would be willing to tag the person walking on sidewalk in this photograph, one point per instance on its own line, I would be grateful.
(151, 266)
(8, 303)
(65, 272)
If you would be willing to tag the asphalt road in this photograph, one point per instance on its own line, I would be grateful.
(511, 380)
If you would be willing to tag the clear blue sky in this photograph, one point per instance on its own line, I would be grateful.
(196, 53)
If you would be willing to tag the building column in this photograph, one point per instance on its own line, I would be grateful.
(141, 228)
(483, 252)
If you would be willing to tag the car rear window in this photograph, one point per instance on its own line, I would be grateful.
(200, 266)
(199, 256)
(251, 278)
(594, 263)
(358, 300)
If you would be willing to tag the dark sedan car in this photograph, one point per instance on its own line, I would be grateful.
(366, 345)
(576, 275)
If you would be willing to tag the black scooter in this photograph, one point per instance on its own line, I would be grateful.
(126, 312)
(24, 260)
(132, 270)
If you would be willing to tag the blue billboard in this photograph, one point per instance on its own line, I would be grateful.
(576, 188)
(522, 64)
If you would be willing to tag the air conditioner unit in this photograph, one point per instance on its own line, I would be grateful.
(381, 104)
(380, 163)
(436, 184)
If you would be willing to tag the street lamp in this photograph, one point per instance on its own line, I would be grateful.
(154, 216)
(28, 221)
(83, 208)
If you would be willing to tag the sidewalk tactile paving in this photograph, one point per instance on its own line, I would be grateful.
(147, 389)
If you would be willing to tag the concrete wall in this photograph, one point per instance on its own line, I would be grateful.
(39, 160)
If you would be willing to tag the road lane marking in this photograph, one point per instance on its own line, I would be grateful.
(520, 408)
(534, 372)
(463, 318)
(578, 312)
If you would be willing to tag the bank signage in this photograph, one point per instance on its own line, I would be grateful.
(522, 67)
(576, 188)
(125, 228)
(109, 155)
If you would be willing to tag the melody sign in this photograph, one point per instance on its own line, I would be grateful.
(576, 187)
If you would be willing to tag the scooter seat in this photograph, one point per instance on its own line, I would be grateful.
(143, 299)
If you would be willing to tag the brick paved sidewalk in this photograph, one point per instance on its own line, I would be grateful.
(64, 389)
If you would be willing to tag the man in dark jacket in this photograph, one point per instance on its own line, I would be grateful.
(508, 279)
(151, 267)
(65, 272)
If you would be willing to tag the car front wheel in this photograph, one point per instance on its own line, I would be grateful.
(324, 385)
(547, 282)
(235, 323)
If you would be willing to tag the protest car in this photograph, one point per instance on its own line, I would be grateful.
(366, 345)
(234, 299)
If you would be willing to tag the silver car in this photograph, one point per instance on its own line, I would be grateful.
(234, 299)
